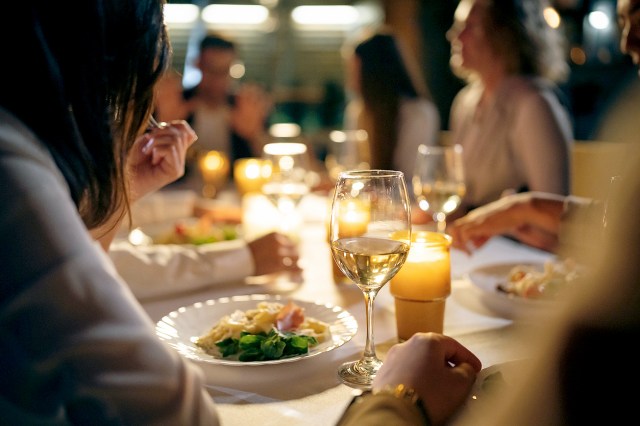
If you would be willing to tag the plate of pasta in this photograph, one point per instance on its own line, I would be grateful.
(257, 329)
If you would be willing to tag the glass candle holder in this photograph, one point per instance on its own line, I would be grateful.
(249, 174)
(214, 169)
(422, 285)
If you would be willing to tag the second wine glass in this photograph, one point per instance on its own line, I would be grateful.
(438, 181)
(373, 252)
(287, 184)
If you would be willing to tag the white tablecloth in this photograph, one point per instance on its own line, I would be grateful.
(308, 392)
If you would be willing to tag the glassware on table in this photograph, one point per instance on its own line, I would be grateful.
(371, 256)
(421, 287)
(214, 169)
(249, 174)
(438, 181)
(288, 182)
(347, 150)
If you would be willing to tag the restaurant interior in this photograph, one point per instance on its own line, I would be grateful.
(293, 49)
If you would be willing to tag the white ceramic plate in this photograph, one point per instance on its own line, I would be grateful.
(182, 327)
(485, 280)
(491, 383)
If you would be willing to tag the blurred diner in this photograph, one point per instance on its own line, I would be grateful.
(511, 118)
(227, 116)
(77, 348)
(389, 100)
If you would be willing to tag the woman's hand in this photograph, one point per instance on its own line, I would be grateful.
(532, 217)
(440, 369)
(158, 157)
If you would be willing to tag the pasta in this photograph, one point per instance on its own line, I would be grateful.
(264, 318)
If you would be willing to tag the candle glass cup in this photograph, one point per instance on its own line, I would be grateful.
(421, 287)
(249, 174)
(214, 169)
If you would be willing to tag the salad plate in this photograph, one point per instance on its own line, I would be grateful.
(182, 327)
(187, 231)
(486, 280)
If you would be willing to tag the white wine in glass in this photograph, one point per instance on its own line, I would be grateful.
(371, 256)
(438, 181)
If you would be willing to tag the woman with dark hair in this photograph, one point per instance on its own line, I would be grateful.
(76, 347)
(390, 101)
(510, 118)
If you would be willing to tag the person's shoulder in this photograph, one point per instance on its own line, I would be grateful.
(524, 90)
(519, 86)
(18, 138)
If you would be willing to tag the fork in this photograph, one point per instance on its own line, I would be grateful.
(154, 122)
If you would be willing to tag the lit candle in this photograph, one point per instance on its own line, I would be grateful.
(353, 221)
(250, 174)
(426, 274)
(214, 168)
(422, 285)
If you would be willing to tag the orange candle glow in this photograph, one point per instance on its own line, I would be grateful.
(422, 285)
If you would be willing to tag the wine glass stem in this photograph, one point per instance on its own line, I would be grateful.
(369, 348)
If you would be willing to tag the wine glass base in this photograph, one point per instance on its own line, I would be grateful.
(359, 374)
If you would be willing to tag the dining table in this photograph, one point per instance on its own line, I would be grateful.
(309, 391)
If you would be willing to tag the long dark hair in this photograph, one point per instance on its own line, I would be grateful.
(83, 83)
(385, 78)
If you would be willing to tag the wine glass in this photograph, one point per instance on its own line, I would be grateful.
(438, 181)
(370, 254)
(347, 151)
(287, 184)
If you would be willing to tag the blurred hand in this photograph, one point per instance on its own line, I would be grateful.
(169, 103)
(533, 218)
(273, 253)
(158, 157)
(440, 369)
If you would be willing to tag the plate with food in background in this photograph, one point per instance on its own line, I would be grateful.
(190, 230)
(518, 290)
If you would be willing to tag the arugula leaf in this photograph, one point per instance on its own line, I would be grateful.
(263, 346)
(250, 342)
(228, 346)
(273, 346)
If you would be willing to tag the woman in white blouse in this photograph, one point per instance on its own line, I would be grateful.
(510, 120)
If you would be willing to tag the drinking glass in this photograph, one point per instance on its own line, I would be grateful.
(438, 181)
(347, 151)
(371, 256)
(288, 182)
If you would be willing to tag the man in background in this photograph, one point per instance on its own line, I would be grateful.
(225, 117)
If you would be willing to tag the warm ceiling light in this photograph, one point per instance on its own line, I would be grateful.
(226, 14)
(325, 15)
(180, 13)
